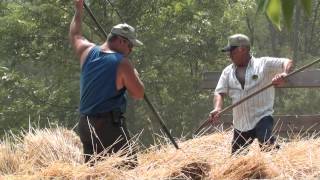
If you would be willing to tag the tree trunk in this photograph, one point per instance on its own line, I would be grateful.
(250, 26)
(274, 40)
(295, 35)
(313, 24)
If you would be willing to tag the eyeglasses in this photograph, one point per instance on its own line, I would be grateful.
(130, 45)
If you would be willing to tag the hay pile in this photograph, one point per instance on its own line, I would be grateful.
(56, 153)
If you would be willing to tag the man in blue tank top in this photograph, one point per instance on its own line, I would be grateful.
(106, 76)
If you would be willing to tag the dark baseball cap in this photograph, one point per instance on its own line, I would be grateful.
(236, 40)
(127, 32)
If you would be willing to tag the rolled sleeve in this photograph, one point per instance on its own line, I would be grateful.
(222, 86)
(275, 64)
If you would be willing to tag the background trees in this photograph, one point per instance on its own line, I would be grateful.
(40, 74)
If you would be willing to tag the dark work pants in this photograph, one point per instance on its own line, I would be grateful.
(101, 131)
(262, 131)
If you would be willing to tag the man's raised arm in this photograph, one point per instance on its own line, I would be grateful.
(79, 43)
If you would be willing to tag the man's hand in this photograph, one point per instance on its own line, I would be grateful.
(279, 79)
(214, 115)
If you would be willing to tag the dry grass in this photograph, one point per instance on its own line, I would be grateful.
(56, 153)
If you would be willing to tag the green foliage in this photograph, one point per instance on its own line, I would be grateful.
(277, 8)
(307, 6)
(273, 11)
(22, 99)
(287, 9)
(34, 87)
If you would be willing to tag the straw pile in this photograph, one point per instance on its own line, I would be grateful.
(56, 153)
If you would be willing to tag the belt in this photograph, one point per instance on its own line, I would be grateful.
(99, 115)
(116, 117)
(113, 113)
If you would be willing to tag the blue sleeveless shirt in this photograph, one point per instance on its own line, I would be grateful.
(98, 90)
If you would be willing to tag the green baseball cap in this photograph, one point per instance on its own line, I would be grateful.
(126, 31)
(236, 40)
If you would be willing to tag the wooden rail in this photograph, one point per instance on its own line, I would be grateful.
(284, 125)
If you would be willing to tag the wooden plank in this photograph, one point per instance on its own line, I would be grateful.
(304, 79)
(285, 124)
(210, 80)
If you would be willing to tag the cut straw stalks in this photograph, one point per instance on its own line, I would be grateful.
(57, 153)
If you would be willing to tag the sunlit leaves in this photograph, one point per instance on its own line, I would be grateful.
(275, 9)
(178, 7)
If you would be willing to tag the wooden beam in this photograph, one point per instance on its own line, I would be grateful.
(284, 125)
(304, 79)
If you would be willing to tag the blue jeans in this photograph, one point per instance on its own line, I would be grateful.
(262, 131)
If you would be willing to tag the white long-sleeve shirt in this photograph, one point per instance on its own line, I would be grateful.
(259, 73)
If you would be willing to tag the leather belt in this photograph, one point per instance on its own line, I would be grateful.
(99, 115)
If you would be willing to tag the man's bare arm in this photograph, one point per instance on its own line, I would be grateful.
(288, 66)
(129, 78)
(218, 101)
(278, 79)
(79, 43)
(218, 104)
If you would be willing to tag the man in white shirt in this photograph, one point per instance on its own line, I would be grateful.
(253, 118)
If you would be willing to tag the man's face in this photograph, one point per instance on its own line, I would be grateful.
(238, 55)
(234, 54)
(125, 45)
